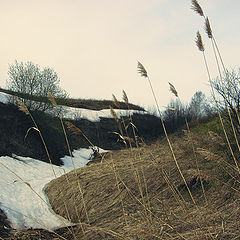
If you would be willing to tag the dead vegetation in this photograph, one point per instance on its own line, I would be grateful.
(139, 194)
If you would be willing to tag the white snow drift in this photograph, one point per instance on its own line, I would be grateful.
(78, 113)
(23, 199)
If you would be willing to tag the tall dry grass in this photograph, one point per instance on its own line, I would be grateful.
(153, 192)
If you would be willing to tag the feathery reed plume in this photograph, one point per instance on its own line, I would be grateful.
(197, 8)
(23, 107)
(199, 42)
(125, 98)
(173, 89)
(52, 99)
(143, 73)
(73, 128)
(142, 70)
(208, 28)
(115, 101)
(113, 113)
(216, 102)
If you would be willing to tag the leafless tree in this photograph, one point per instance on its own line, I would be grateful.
(29, 79)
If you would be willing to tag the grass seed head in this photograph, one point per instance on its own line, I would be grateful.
(142, 70)
(115, 101)
(113, 113)
(73, 128)
(199, 42)
(197, 8)
(208, 28)
(23, 107)
(52, 99)
(173, 89)
(125, 97)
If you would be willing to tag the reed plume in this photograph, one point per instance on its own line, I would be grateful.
(73, 128)
(52, 99)
(173, 89)
(142, 70)
(115, 101)
(125, 98)
(199, 42)
(197, 8)
(113, 113)
(22, 107)
(208, 28)
(143, 73)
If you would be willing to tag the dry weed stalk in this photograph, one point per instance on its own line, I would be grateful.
(199, 43)
(143, 73)
(196, 7)
(23, 108)
(189, 134)
(126, 139)
(52, 99)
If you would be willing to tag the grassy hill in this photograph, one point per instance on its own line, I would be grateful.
(140, 193)
(76, 103)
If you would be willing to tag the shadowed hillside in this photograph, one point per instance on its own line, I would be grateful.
(14, 124)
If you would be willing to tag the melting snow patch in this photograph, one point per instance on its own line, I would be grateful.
(94, 115)
(4, 97)
(23, 200)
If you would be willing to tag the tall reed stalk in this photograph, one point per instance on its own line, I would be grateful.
(144, 74)
(23, 108)
(189, 135)
(197, 8)
(52, 100)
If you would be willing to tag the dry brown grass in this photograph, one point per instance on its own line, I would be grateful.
(170, 219)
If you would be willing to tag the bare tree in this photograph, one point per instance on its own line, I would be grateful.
(28, 78)
(174, 115)
(228, 90)
(198, 107)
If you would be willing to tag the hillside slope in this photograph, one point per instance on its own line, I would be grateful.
(140, 194)
(14, 124)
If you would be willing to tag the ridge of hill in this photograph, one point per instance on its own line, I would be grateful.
(92, 104)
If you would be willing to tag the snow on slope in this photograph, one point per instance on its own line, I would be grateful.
(23, 207)
(3, 97)
(77, 113)
(94, 115)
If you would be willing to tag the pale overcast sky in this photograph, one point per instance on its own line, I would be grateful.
(94, 45)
